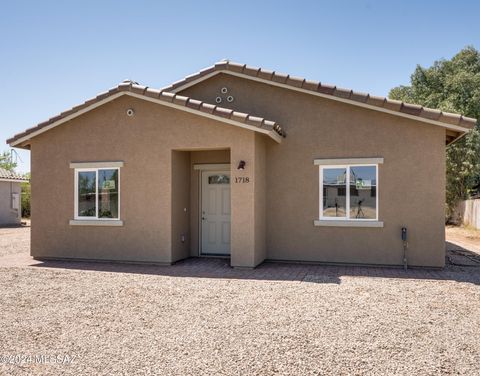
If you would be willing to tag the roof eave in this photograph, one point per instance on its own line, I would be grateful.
(14, 180)
(24, 141)
(223, 68)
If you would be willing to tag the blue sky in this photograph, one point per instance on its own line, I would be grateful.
(56, 54)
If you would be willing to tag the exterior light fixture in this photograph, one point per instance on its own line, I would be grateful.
(241, 165)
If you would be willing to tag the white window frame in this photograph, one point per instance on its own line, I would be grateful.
(347, 218)
(95, 169)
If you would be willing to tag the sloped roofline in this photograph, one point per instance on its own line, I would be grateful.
(455, 122)
(10, 176)
(162, 97)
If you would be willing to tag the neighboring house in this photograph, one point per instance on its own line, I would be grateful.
(241, 162)
(10, 198)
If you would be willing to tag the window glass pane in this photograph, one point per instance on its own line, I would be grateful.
(108, 193)
(219, 179)
(334, 192)
(86, 194)
(363, 192)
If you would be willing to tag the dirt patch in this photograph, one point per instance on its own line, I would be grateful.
(463, 232)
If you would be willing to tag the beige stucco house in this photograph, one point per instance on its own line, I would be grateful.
(245, 163)
(10, 198)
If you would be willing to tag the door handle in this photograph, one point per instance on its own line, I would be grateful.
(203, 218)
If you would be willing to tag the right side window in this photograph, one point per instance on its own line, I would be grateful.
(349, 192)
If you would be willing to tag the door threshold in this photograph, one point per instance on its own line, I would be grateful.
(215, 255)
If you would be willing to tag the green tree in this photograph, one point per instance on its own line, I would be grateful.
(6, 161)
(26, 197)
(452, 86)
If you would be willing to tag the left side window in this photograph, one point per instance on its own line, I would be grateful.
(97, 193)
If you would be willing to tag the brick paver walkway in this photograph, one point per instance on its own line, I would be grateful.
(274, 271)
(220, 268)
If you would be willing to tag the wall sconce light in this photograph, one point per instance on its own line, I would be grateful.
(241, 165)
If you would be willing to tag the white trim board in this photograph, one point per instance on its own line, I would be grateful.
(212, 166)
(96, 164)
(95, 222)
(326, 96)
(346, 223)
(323, 220)
(95, 219)
(274, 135)
(347, 161)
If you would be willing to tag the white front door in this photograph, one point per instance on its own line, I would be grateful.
(215, 213)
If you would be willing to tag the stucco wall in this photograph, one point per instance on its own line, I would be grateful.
(180, 204)
(9, 216)
(272, 215)
(260, 187)
(145, 143)
(411, 180)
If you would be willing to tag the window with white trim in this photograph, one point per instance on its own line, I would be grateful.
(349, 192)
(97, 193)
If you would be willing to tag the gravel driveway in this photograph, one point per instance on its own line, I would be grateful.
(14, 240)
(201, 317)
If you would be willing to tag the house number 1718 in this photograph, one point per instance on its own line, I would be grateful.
(242, 179)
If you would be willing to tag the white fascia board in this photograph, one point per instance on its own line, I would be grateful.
(274, 135)
(198, 80)
(66, 118)
(326, 96)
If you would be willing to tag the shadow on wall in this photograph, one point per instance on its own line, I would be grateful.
(271, 271)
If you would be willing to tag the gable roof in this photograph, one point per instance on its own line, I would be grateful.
(455, 124)
(11, 176)
(448, 120)
(163, 97)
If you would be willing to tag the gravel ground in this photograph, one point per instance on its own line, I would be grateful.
(14, 240)
(277, 319)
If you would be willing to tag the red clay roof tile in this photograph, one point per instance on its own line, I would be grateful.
(326, 89)
(310, 85)
(264, 74)
(375, 101)
(162, 96)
